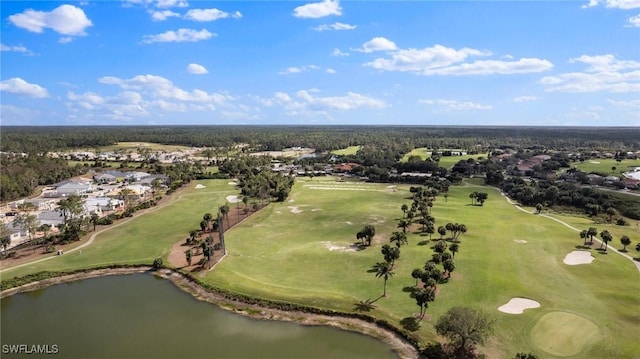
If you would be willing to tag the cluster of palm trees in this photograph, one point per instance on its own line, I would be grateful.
(478, 198)
(606, 237)
(419, 211)
(390, 254)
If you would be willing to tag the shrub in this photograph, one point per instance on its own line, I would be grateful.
(158, 263)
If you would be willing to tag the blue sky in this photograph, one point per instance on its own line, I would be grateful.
(145, 62)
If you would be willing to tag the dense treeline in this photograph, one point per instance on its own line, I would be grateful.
(322, 138)
(548, 193)
(21, 175)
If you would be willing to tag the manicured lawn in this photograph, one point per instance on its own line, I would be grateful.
(299, 251)
(602, 165)
(145, 238)
(445, 161)
(279, 254)
(136, 145)
(351, 150)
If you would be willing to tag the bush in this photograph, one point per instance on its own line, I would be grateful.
(622, 222)
(158, 263)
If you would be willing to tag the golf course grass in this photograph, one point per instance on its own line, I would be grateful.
(301, 251)
(351, 150)
(445, 161)
(563, 334)
(605, 165)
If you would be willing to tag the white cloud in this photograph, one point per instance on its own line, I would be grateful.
(634, 21)
(349, 102)
(196, 69)
(19, 86)
(525, 99)
(615, 4)
(297, 70)
(163, 88)
(182, 35)
(453, 105)
(337, 52)
(281, 96)
(65, 40)
(204, 15)
(335, 26)
(171, 3)
(604, 73)
(442, 60)
(65, 20)
(378, 44)
(490, 67)
(319, 9)
(20, 49)
(635, 104)
(331, 71)
(162, 15)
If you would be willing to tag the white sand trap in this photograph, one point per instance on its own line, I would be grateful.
(316, 209)
(578, 257)
(518, 305)
(334, 247)
(595, 162)
(391, 187)
(520, 241)
(349, 223)
(291, 200)
(232, 183)
(232, 199)
(294, 209)
(199, 186)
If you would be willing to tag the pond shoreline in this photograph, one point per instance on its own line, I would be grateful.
(399, 344)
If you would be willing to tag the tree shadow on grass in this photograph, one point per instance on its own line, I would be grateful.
(409, 289)
(364, 306)
(423, 243)
(581, 246)
(410, 323)
(602, 251)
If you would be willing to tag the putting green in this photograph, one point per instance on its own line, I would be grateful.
(563, 334)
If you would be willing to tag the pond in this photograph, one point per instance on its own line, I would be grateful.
(142, 316)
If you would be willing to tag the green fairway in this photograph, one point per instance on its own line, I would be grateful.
(421, 152)
(445, 161)
(145, 238)
(351, 150)
(301, 252)
(605, 166)
(563, 334)
(147, 145)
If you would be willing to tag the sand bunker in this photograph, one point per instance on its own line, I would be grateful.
(349, 223)
(521, 241)
(232, 199)
(316, 209)
(595, 162)
(199, 186)
(518, 305)
(335, 247)
(232, 183)
(578, 257)
(294, 209)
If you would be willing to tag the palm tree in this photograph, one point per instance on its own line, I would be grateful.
(625, 240)
(440, 247)
(423, 296)
(203, 225)
(224, 210)
(449, 266)
(404, 224)
(610, 211)
(5, 240)
(584, 234)
(127, 196)
(606, 238)
(592, 231)
(454, 248)
(208, 217)
(384, 270)
(417, 274)
(539, 207)
(400, 238)
(446, 197)
(245, 201)
(442, 231)
(404, 208)
(189, 256)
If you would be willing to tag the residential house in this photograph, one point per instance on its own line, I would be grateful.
(102, 204)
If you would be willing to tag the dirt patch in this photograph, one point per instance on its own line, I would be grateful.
(520, 241)
(199, 186)
(295, 209)
(337, 247)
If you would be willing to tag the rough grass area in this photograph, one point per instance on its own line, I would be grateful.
(604, 165)
(563, 334)
(351, 150)
(142, 239)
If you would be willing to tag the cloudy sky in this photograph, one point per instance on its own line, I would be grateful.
(331, 62)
